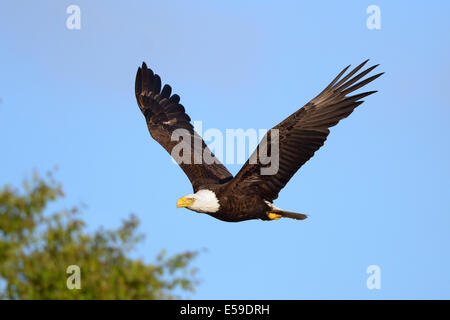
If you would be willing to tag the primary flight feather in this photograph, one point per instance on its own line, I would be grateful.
(250, 194)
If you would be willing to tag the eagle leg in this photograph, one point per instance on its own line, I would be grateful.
(274, 216)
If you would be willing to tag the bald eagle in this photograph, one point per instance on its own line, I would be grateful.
(250, 194)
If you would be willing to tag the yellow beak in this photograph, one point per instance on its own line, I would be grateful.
(185, 202)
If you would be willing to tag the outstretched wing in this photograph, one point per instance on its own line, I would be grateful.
(169, 124)
(302, 134)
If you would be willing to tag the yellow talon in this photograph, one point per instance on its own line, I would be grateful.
(274, 216)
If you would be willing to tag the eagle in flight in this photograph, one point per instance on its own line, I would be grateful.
(250, 194)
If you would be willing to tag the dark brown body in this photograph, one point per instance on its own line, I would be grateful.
(236, 207)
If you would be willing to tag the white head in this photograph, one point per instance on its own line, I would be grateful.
(202, 201)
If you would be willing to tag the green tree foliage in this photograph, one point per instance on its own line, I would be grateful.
(37, 247)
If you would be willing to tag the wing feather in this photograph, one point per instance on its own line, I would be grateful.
(164, 115)
(303, 133)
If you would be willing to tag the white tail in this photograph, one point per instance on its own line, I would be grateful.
(286, 214)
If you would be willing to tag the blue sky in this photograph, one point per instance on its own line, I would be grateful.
(377, 192)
